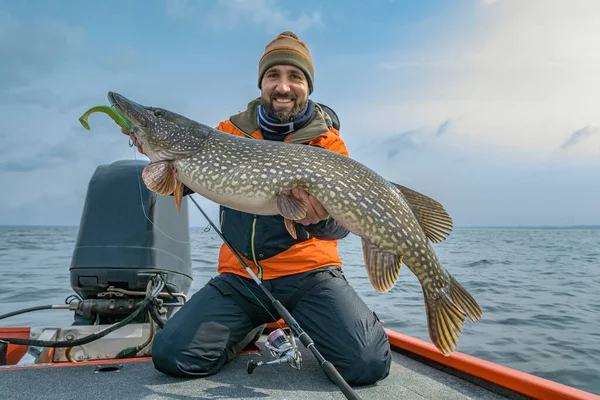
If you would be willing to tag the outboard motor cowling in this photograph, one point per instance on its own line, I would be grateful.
(128, 233)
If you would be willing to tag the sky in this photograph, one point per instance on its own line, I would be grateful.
(490, 107)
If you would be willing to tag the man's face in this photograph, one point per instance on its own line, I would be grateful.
(284, 92)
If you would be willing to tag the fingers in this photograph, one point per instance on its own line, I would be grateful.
(300, 194)
(315, 211)
(137, 143)
(125, 131)
(319, 209)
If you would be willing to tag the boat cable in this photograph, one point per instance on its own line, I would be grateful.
(37, 308)
(157, 282)
(291, 322)
(156, 317)
(130, 352)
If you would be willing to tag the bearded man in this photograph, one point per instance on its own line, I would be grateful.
(305, 273)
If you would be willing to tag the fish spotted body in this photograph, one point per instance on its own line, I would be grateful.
(396, 224)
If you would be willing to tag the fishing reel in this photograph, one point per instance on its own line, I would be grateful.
(283, 348)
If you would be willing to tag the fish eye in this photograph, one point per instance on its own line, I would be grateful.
(158, 113)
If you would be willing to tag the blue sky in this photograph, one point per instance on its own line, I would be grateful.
(490, 107)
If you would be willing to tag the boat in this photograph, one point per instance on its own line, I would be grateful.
(131, 270)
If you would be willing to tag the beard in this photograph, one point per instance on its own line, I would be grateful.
(284, 116)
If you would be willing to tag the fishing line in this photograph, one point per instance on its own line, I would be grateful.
(234, 251)
(295, 328)
(142, 204)
(205, 230)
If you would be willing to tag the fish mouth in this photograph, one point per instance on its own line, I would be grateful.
(135, 113)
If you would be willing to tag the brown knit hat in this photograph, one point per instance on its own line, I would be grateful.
(287, 49)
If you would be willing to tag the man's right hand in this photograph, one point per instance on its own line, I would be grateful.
(133, 139)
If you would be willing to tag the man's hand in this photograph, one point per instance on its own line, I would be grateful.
(133, 139)
(315, 212)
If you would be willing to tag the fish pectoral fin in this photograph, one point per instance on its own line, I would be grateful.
(382, 266)
(159, 177)
(291, 207)
(432, 217)
(291, 228)
(178, 194)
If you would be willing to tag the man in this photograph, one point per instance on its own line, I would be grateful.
(304, 273)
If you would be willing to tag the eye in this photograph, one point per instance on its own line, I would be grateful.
(159, 113)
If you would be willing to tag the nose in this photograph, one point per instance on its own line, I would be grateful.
(283, 86)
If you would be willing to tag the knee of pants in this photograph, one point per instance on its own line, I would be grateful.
(369, 367)
(174, 361)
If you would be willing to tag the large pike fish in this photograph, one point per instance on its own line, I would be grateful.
(395, 223)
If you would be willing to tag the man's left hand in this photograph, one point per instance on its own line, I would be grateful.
(315, 211)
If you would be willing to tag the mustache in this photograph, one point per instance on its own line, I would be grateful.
(282, 96)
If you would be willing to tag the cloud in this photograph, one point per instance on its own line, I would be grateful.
(33, 50)
(230, 14)
(395, 145)
(38, 162)
(69, 149)
(580, 135)
(42, 97)
(45, 63)
(479, 188)
(443, 128)
(505, 82)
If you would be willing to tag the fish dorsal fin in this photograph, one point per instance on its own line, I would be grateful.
(434, 220)
(382, 267)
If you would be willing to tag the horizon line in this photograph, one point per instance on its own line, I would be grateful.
(549, 226)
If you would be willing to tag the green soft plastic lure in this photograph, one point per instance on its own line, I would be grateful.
(113, 113)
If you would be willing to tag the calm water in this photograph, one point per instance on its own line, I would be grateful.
(539, 290)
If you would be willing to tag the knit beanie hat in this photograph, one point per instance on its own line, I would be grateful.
(287, 49)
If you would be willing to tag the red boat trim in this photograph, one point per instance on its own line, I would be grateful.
(79, 364)
(15, 352)
(517, 381)
(508, 378)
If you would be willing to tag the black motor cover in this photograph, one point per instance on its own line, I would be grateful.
(128, 232)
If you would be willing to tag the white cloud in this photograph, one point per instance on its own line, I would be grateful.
(581, 135)
(33, 49)
(230, 14)
(524, 76)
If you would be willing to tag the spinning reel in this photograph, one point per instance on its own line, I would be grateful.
(283, 348)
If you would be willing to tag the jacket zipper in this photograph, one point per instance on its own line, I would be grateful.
(260, 271)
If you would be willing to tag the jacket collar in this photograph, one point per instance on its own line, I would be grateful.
(319, 123)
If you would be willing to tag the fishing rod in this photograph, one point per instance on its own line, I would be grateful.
(327, 366)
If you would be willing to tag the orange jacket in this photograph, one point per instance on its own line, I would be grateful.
(291, 257)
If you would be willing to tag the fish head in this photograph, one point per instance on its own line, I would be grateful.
(163, 134)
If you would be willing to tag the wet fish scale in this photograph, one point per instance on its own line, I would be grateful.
(395, 223)
(251, 173)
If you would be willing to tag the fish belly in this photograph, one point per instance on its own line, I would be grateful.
(228, 196)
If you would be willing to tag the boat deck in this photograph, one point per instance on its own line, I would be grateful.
(408, 379)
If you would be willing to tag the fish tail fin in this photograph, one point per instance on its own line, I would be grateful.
(464, 300)
(445, 321)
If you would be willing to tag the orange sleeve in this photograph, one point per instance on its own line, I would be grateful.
(225, 126)
(331, 141)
